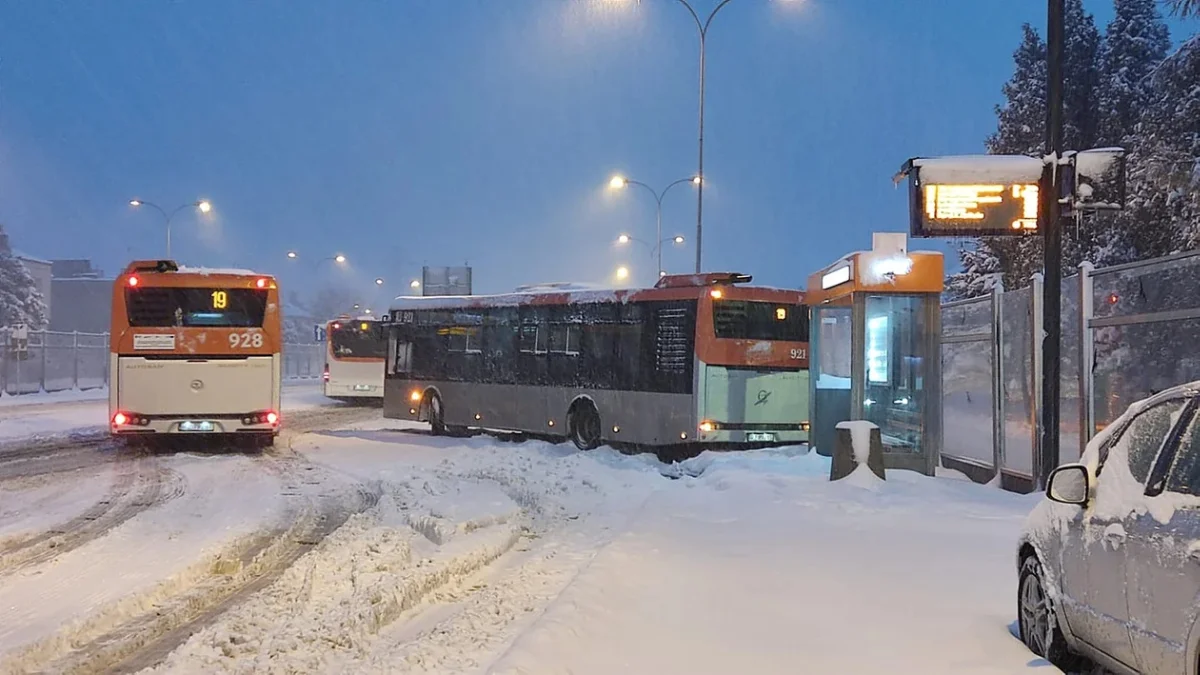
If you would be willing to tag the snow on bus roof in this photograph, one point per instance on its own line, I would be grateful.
(506, 299)
(212, 271)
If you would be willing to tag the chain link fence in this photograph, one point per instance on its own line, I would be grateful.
(46, 361)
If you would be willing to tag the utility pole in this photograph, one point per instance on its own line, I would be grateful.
(1051, 211)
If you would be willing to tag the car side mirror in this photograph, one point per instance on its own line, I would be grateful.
(1069, 484)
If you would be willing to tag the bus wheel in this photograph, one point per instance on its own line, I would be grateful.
(584, 424)
(437, 425)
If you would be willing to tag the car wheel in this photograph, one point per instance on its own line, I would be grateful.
(585, 425)
(1037, 619)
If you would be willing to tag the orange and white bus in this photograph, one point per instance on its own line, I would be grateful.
(354, 355)
(698, 359)
(194, 351)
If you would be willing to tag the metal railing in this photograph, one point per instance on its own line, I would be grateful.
(1128, 332)
(47, 361)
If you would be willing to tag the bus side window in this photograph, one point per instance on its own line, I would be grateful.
(391, 353)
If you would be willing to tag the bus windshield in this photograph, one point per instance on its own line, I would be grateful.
(357, 339)
(746, 320)
(195, 307)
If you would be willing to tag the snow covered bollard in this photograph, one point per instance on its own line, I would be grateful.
(858, 444)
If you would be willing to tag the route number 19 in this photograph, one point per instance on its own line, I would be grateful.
(220, 299)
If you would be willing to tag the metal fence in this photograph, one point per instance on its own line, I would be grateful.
(49, 361)
(1127, 332)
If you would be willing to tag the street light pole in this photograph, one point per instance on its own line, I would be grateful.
(703, 28)
(620, 182)
(203, 205)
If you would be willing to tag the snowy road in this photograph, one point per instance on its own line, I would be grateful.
(358, 549)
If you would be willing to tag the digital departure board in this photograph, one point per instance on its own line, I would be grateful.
(947, 210)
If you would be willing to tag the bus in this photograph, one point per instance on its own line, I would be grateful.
(354, 355)
(697, 360)
(194, 352)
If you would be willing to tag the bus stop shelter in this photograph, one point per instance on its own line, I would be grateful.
(876, 322)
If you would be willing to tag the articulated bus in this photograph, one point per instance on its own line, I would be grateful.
(354, 355)
(194, 351)
(698, 359)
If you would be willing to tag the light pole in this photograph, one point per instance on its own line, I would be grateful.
(702, 26)
(656, 248)
(619, 182)
(204, 206)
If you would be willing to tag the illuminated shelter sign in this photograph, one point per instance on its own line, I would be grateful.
(979, 209)
(972, 196)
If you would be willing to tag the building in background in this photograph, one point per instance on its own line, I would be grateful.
(82, 297)
(41, 271)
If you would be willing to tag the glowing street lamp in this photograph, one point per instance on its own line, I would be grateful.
(622, 273)
(339, 258)
(203, 206)
(378, 281)
(414, 284)
(619, 182)
(291, 254)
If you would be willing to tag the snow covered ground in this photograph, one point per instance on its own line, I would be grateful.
(479, 555)
(86, 412)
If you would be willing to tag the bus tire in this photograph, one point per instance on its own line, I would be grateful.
(436, 414)
(583, 424)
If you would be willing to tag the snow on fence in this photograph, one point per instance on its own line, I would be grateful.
(1135, 325)
(55, 361)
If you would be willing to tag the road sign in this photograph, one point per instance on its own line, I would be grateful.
(318, 333)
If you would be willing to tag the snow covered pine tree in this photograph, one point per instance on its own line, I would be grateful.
(1021, 124)
(20, 300)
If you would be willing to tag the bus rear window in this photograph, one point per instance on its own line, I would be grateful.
(358, 340)
(745, 320)
(195, 307)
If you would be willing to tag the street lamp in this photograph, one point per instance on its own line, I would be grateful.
(378, 281)
(339, 258)
(657, 248)
(291, 254)
(622, 273)
(702, 26)
(203, 205)
(619, 182)
(414, 284)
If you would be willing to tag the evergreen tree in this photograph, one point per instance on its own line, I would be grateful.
(1135, 42)
(1021, 130)
(20, 300)
(980, 272)
(1164, 175)
(1184, 8)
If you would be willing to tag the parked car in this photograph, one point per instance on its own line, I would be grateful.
(1109, 563)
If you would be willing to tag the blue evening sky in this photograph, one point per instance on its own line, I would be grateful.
(484, 131)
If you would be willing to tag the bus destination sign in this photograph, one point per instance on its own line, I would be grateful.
(977, 210)
(973, 195)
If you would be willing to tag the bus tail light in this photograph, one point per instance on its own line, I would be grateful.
(133, 281)
(266, 417)
(120, 419)
(261, 283)
(325, 375)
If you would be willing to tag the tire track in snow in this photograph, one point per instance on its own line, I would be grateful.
(142, 485)
(139, 631)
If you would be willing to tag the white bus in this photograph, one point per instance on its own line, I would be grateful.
(194, 351)
(354, 356)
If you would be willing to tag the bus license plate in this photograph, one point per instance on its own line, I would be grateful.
(363, 387)
(760, 437)
(195, 426)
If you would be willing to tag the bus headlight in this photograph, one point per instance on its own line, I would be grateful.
(415, 396)
(707, 426)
